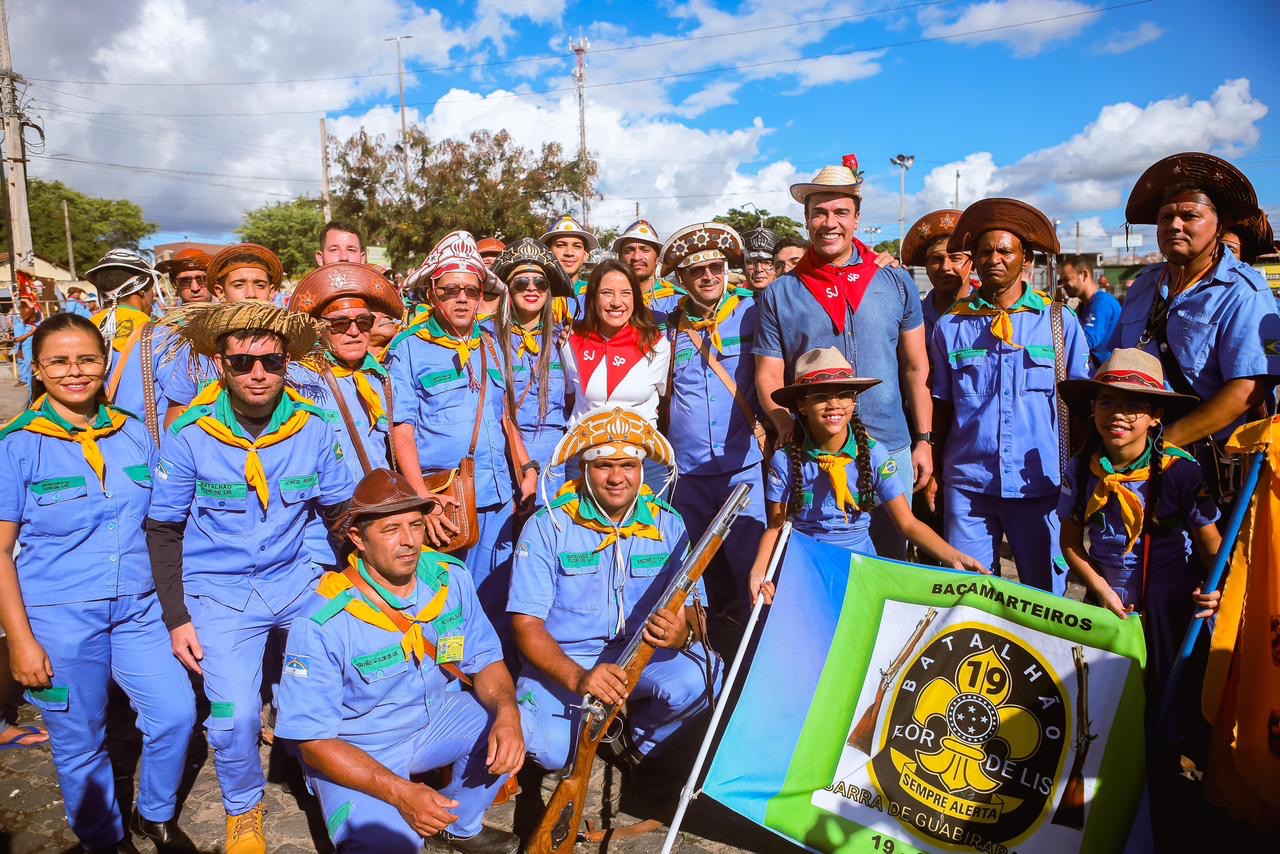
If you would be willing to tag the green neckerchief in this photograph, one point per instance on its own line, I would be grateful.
(369, 364)
(433, 326)
(588, 510)
(423, 575)
(223, 412)
(102, 419)
(849, 449)
(1030, 299)
(1142, 461)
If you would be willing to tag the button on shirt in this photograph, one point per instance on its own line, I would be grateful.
(229, 537)
(1098, 318)
(1004, 436)
(79, 542)
(791, 323)
(346, 678)
(707, 428)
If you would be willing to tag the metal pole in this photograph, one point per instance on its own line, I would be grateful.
(15, 159)
(1077, 237)
(580, 75)
(957, 199)
(404, 128)
(902, 209)
(324, 169)
(71, 249)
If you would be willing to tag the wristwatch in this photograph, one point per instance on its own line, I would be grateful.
(922, 437)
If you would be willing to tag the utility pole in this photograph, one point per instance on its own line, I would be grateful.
(71, 249)
(957, 201)
(580, 74)
(404, 128)
(24, 256)
(324, 169)
(903, 162)
(1077, 237)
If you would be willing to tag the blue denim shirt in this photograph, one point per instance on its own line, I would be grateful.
(792, 322)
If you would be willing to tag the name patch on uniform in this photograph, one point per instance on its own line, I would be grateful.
(649, 561)
(439, 377)
(578, 560)
(449, 649)
(207, 489)
(683, 356)
(375, 661)
(297, 665)
(139, 474)
(449, 621)
(970, 353)
(1040, 351)
(57, 484)
(733, 342)
(295, 484)
(556, 366)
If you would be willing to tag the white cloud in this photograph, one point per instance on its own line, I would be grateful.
(999, 20)
(716, 95)
(1117, 43)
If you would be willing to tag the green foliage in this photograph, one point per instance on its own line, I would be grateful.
(97, 225)
(890, 246)
(290, 229)
(485, 184)
(745, 220)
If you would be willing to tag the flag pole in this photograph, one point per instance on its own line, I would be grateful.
(1234, 522)
(687, 794)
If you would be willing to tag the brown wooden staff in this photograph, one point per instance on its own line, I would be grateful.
(860, 738)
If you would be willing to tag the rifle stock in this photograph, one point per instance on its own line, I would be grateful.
(558, 830)
(860, 738)
(1070, 811)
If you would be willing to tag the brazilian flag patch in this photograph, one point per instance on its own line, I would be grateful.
(888, 469)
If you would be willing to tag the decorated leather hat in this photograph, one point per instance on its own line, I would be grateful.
(845, 179)
(925, 231)
(1230, 190)
(760, 242)
(184, 262)
(824, 370)
(1031, 226)
(698, 244)
(1130, 370)
(202, 324)
(617, 427)
(379, 493)
(567, 226)
(456, 252)
(640, 231)
(528, 254)
(345, 280)
(246, 255)
(143, 274)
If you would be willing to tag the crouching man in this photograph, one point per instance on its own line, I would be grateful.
(369, 690)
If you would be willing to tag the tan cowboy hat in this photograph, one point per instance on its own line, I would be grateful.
(927, 229)
(822, 370)
(345, 280)
(1133, 371)
(380, 493)
(845, 179)
(202, 324)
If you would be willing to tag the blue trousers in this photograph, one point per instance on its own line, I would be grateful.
(489, 562)
(456, 736)
(89, 644)
(974, 523)
(698, 499)
(672, 690)
(234, 643)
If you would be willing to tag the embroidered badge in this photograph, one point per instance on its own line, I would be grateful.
(297, 665)
(1272, 347)
(888, 469)
(522, 550)
(162, 470)
(337, 451)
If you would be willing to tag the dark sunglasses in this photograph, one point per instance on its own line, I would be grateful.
(525, 283)
(242, 363)
(452, 293)
(363, 322)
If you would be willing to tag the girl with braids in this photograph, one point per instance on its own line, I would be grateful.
(828, 479)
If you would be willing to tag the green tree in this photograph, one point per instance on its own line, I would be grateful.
(485, 184)
(744, 220)
(290, 229)
(97, 225)
(890, 246)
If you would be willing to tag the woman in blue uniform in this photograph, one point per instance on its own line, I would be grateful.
(79, 605)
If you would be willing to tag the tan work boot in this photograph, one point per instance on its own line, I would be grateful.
(244, 832)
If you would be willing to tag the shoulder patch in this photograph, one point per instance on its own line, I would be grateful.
(191, 416)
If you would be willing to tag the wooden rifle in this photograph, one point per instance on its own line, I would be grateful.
(860, 738)
(1070, 811)
(558, 830)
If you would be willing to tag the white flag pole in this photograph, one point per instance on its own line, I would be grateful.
(687, 794)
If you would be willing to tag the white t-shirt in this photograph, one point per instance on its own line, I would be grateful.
(640, 389)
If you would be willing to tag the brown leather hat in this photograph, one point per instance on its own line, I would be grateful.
(246, 255)
(1230, 190)
(927, 229)
(345, 279)
(185, 261)
(1031, 226)
(378, 493)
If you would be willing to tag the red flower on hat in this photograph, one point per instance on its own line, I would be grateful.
(850, 161)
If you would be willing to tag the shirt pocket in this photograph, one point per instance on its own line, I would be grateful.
(63, 504)
(1191, 339)
(222, 508)
(648, 565)
(448, 399)
(974, 370)
(578, 585)
(1038, 372)
(295, 490)
(381, 665)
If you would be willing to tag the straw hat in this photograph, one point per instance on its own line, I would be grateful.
(1135, 372)
(845, 179)
(380, 493)
(822, 370)
(698, 244)
(202, 324)
(1230, 190)
(345, 279)
(639, 231)
(925, 231)
(246, 255)
(1016, 217)
(567, 226)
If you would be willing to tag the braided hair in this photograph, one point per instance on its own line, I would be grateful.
(795, 502)
(866, 495)
(862, 459)
(1151, 510)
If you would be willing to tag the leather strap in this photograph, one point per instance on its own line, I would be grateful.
(347, 420)
(129, 347)
(151, 411)
(1060, 373)
(391, 446)
(485, 344)
(399, 620)
(698, 341)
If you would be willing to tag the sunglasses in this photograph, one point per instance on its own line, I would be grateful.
(363, 322)
(525, 283)
(452, 293)
(242, 363)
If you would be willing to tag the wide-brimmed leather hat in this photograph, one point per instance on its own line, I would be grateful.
(379, 493)
(184, 262)
(760, 242)
(1032, 227)
(246, 255)
(927, 229)
(1230, 190)
(349, 280)
(143, 275)
(490, 246)
(528, 254)
(698, 244)
(640, 231)
(822, 370)
(1135, 372)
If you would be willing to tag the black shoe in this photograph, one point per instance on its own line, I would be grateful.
(165, 835)
(490, 840)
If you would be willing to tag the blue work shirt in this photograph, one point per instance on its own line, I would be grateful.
(1003, 439)
(1224, 328)
(74, 306)
(229, 538)
(79, 542)
(170, 363)
(587, 595)
(540, 433)
(439, 396)
(792, 323)
(821, 516)
(349, 679)
(1098, 317)
(708, 430)
(187, 375)
(373, 437)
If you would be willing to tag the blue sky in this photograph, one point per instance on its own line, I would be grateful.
(692, 107)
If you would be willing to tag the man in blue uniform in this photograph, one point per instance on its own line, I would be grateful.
(638, 248)
(994, 378)
(239, 475)
(714, 424)
(588, 573)
(1097, 310)
(370, 694)
(75, 302)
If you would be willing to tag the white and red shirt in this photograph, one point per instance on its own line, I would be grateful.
(616, 371)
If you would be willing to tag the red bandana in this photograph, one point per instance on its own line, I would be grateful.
(835, 287)
(618, 353)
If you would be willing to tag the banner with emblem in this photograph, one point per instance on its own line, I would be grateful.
(897, 708)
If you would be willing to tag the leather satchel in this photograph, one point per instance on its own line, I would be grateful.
(458, 485)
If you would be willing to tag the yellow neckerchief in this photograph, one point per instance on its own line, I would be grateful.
(128, 320)
(414, 644)
(560, 309)
(528, 339)
(1002, 326)
(1112, 483)
(219, 426)
(728, 302)
(836, 467)
(373, 406)
(643, 522)
(45, 421)
(432, 331)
